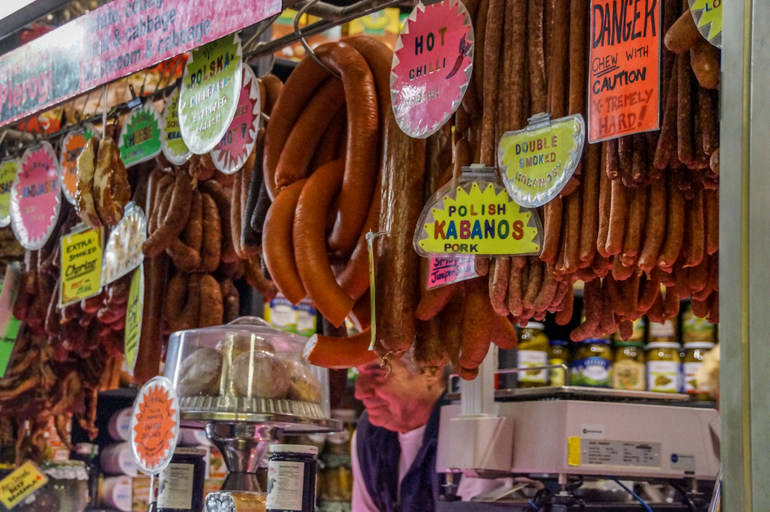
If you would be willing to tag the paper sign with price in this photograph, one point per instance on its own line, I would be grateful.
(624, 70)
(154, 425)
(21, 483)
(445, 271)
(81, 263)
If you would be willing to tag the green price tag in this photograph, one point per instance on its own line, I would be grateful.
(134, 309)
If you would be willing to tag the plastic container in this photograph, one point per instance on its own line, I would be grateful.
(180, 484)
(246, 366)
(531, 352)
(664, 367)
(693, 360)
(119, 426)
(291, 478)
(593, 363)
(117, 459)
(116, 492)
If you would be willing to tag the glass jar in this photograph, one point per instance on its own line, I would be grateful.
(532, 352)
(558, 353)
(180, 485)
(67, 485)
(628, 366)
(663, 367)
(693, 360)
(291, 478)
(695, 329)
(593, 363)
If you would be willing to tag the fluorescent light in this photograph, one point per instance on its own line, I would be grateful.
(9, 7)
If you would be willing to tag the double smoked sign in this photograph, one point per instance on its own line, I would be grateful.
(113, 41)
(624, 72)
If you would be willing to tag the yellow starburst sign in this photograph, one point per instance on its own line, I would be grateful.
(708, 17)
(478, 218)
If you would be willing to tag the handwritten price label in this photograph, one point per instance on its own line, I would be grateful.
(134, 309)
(624, 72)
(445, 271)
(81, 264)
(155, 425)
(21, 483)
(432, 66)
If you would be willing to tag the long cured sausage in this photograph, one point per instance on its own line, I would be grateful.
(397, 264)
(278, 245)
(307, 131)
(331, 352)
(363, 131)
(295, 94)
(310, 247)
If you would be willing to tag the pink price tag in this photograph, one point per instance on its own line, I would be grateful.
(241, 137)
(445, 271)
(35, 197)
(432, 66)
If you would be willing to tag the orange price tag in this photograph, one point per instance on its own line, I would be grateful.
(624, 70)
(155, 425)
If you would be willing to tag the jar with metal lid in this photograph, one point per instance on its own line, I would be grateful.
(180, 485)
(291, 478)
(696, 329)
(532, 352)
(628, 366)
(558, 353)
(593, 363)
(663, 367)
(693, 360)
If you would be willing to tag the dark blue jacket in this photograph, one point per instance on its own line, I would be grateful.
(378, 453)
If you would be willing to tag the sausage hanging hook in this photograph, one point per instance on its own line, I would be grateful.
(301, 12)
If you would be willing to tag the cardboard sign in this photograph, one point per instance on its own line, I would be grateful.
(71, 146)
(241, 137)
(123, 251)
(464, 219)
(210, 89)
(8, 169)
(134, 308)
(445, 271)
(114, 40)
(432, 66)
(174, 148)
(81, 266)
(538, 161)
(139, 139)
(20, 484)
(624, 68)
(35, 198)
(708, 18)
(155, 425)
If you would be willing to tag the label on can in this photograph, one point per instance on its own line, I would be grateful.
(663, 376)
(285, 481)
(629, 375)
(531, 359)
(591, 371)
(690, 382)
(176, 486)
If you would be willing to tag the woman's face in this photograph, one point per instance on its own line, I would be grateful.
(400, 401)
